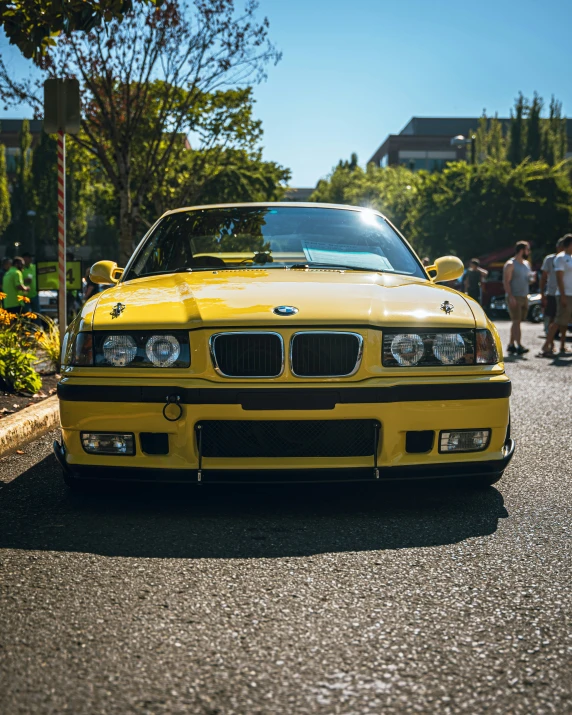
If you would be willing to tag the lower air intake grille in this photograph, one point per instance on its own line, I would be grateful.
(322, 354)
(248, 354)
(288, 438)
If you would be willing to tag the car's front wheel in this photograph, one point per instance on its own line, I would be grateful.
(535, 314)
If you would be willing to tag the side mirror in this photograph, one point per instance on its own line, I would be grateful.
(446, 268)
(105, 273)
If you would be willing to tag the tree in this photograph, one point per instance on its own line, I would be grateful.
(517, 131)
(530, 135)
(555, 139)
(391, 190)
(490, 142)
(533, 148)
(470, 210)
(229, 164)
(33, 25)
(41, 198)
(336, 187)
(21, 202)
(144, 82)
(44, 186)
(4, 193)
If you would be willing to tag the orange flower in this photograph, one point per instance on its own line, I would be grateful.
(2, 295)
(32, 316)
(23, 299)
(6, 318)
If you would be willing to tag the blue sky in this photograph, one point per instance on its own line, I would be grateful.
(354, 71)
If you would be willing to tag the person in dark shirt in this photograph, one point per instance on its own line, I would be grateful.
(473, 280)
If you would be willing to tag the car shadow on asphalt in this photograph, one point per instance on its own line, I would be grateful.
(37, 512)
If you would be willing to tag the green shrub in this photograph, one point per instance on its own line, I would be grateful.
(16, 370)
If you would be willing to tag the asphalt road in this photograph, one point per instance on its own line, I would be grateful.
(313, 600)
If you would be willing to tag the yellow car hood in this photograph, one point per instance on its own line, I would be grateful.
(233, 298)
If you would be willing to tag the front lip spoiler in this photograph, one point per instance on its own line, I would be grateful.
(451, 470)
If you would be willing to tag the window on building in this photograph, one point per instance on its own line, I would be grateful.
(12, 154)
(428, 160)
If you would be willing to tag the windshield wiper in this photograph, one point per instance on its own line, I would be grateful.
(334, 266)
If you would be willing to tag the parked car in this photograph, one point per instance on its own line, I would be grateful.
(49, 302)
(281, 343)
(499, 309)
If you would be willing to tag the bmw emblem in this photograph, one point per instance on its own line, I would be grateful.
(285, 310)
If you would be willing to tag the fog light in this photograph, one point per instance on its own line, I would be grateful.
(108, 443)
(467, 440)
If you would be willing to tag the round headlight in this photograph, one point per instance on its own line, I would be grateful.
(407, 349)
(162, 350)
(119, 350)
(449, 348)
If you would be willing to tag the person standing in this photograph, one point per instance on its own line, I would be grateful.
(563, 272)
(516, 281)
(474, 278)
(548, 287)
(30, 279)
(13, 286)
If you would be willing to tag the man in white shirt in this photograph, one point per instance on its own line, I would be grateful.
(548, 287)
(563, 272)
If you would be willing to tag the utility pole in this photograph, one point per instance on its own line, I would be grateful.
(62, 284)
(61, 115)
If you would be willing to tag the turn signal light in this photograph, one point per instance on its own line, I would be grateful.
(486, 348)
(82, 352)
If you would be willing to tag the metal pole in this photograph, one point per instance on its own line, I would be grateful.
(62, 291)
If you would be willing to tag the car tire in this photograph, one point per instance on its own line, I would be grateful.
(535, 314)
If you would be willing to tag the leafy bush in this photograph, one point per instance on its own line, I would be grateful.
(17, 351)
(16, 370)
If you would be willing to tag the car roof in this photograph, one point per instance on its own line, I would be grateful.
(269, 204)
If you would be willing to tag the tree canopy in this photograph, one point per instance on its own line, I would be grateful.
(5, 213)
(530, 135)
(467, 210)
(34, 25)
(151, 80)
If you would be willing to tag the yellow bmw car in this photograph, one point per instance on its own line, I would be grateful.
(281, 343)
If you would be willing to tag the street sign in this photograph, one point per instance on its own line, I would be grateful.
(47, 275)
(61, 106)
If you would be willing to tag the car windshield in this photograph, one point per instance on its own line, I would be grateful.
(274, 237)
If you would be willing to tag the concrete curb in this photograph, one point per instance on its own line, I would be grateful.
(28, 424)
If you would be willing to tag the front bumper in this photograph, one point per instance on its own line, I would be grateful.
(398, 409)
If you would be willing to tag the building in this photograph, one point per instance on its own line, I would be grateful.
(299, 194)
(425, 142)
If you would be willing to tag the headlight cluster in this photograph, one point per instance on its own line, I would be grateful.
(131, 349)
(438, 348)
